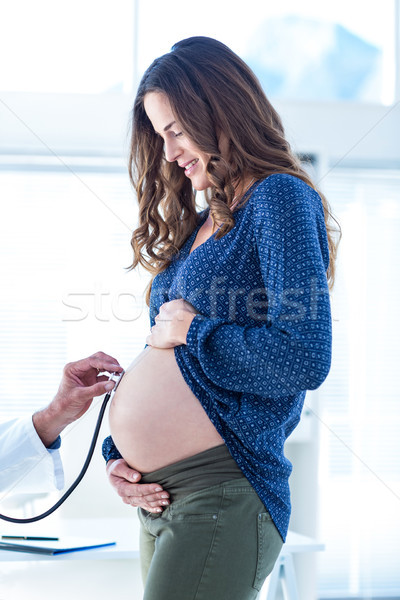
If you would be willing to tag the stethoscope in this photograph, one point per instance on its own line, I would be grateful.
(112, 377)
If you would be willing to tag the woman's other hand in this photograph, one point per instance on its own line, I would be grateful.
(172, 324)
(124, 480)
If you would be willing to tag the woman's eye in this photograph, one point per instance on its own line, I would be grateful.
(178, 134)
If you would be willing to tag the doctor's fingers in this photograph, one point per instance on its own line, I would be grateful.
(84, 394)
(99, 361)
(104, 362)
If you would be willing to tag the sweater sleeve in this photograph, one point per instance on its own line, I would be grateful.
(110, 450)
(288, 349)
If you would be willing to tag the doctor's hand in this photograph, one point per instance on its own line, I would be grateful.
(171, 324)
(80, 383)
(124, 480)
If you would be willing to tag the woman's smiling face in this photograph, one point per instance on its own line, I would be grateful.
(177, 145)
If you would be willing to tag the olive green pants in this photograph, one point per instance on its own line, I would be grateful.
(218, 543)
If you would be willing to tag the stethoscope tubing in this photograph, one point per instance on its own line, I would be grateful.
(82, 472)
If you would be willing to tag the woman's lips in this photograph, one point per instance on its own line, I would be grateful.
(190, 166)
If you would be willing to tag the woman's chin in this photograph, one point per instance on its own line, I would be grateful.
(200, 184)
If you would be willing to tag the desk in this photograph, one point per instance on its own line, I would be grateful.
(100, 574)
(125, 532)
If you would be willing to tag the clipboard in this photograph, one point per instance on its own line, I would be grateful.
(53, 548)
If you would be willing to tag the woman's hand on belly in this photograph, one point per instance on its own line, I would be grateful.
(172, 324)
(149, 496)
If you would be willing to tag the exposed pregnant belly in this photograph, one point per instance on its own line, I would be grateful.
(155, 419)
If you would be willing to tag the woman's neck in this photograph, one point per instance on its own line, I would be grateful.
(241, 190)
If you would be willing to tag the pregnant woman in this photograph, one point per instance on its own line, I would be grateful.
(240, 326)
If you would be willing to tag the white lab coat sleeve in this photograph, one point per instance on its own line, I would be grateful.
(26, 465)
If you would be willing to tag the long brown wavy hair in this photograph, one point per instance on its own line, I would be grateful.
(213, 94)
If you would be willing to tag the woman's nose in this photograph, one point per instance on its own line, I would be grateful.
(172, 149)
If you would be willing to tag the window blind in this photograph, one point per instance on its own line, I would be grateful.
(359, 472)
(64, 246)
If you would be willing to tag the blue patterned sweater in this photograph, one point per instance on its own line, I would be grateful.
(263, 333)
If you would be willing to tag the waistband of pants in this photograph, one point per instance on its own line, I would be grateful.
(202, 470)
